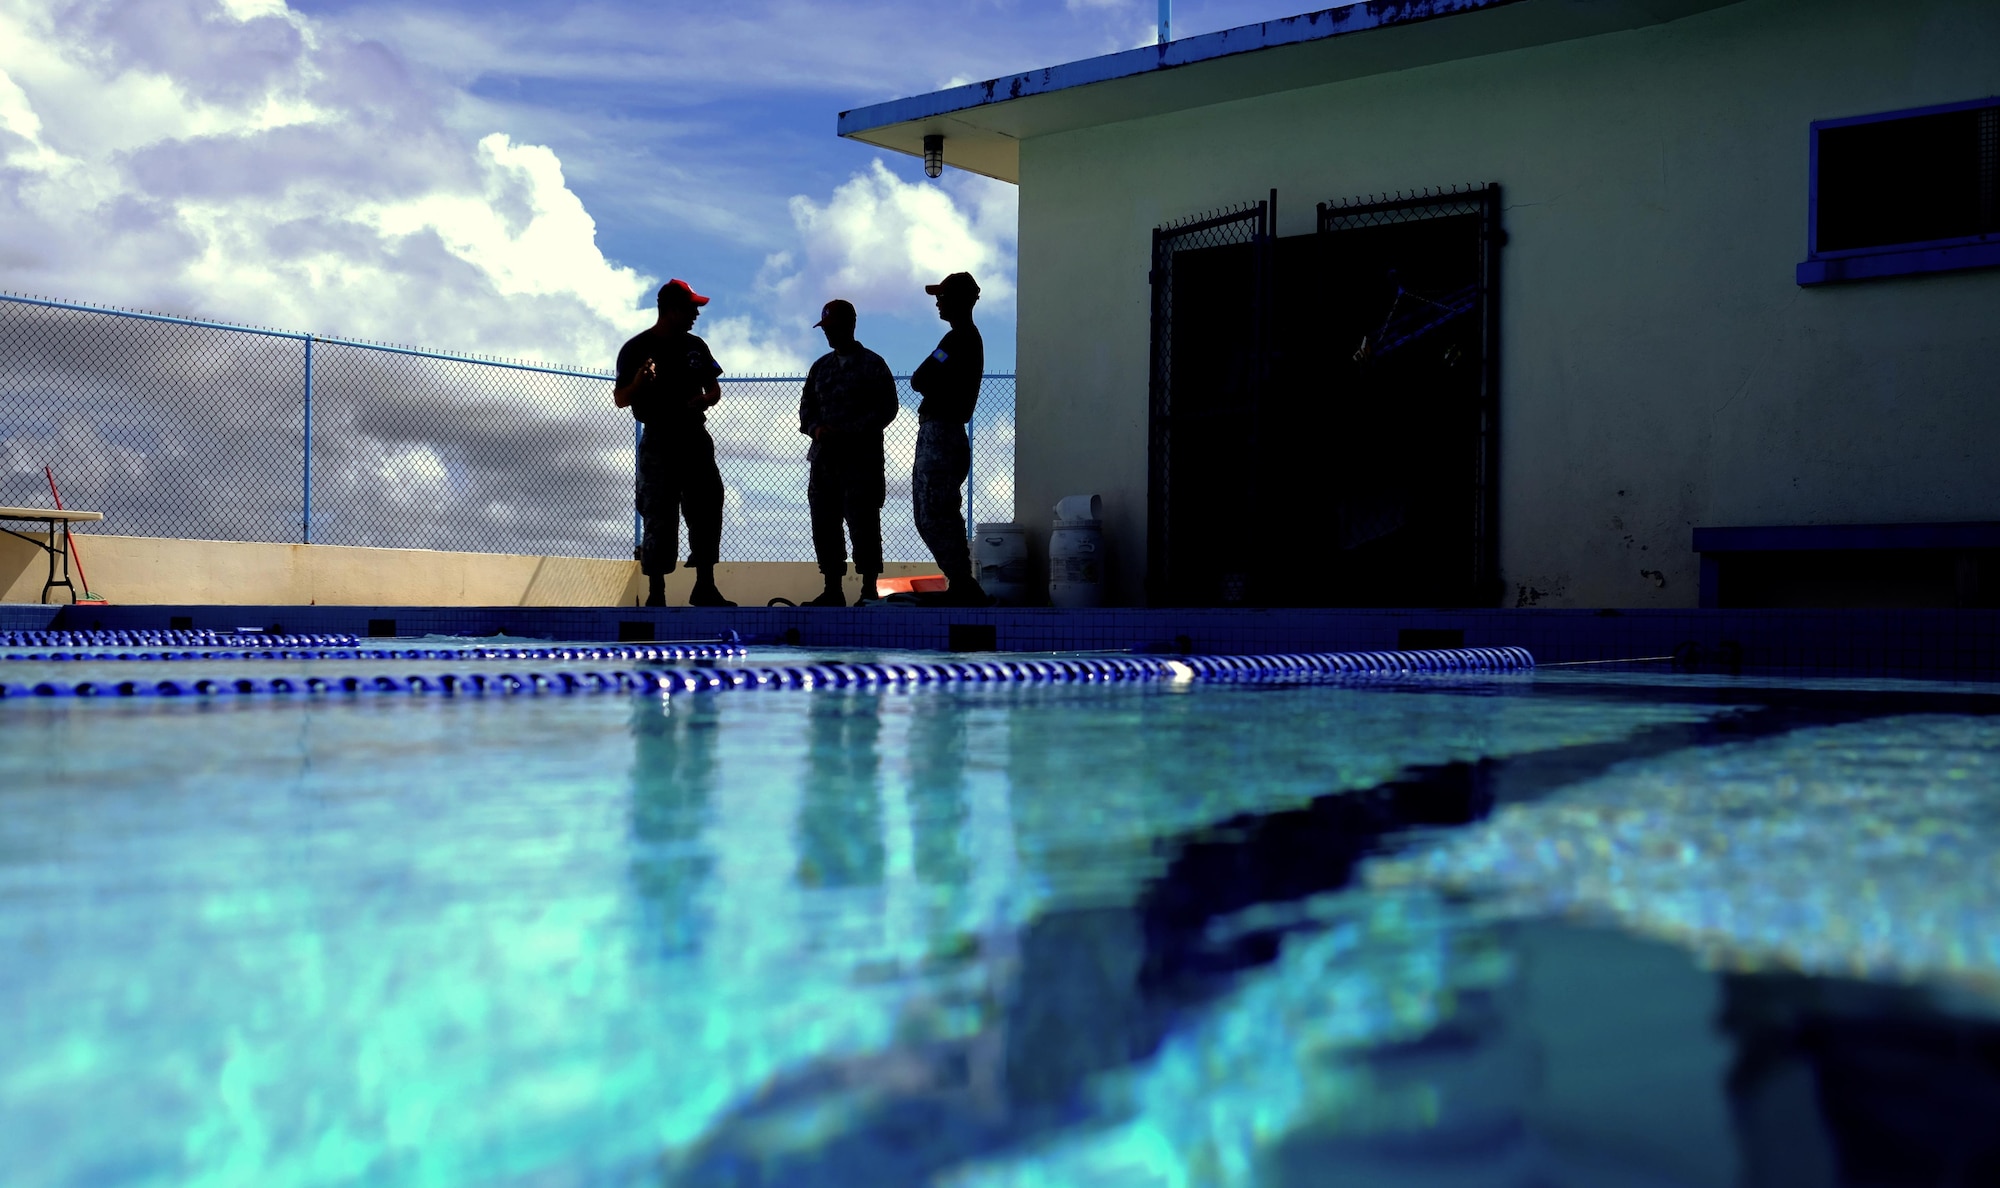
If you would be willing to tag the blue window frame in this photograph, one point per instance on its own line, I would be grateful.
(1904, 192)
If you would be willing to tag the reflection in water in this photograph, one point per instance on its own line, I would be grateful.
(1000, 937)
(937, 750)
(1869, 846)
(1117, 1024)
(673, 776)
(1283, 857)
(840, 821)
(1850, 1083)
(1866, 846)
(891, 894)
(1191, 1035)
(1248, 1015)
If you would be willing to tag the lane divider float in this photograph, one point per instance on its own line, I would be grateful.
(1094, 669)
(148, 638)
(645, 652)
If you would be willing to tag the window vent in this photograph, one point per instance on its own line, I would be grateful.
(1905, 192)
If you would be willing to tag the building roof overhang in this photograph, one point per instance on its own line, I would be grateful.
(984, 123)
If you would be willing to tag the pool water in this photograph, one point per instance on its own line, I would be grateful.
(1595, 928)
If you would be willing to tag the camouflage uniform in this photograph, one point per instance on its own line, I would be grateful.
(849, 397)
(944, 459)
(949, 382)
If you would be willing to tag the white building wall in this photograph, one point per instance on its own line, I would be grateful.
(1661, 370)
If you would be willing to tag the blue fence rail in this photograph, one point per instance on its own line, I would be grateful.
(188, 428)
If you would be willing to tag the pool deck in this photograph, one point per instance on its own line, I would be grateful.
(1955, 644)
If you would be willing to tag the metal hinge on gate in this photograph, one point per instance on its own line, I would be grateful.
(1152, 276)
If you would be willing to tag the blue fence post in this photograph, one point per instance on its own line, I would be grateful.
(307, 532)
(638, 521)
(971, 470)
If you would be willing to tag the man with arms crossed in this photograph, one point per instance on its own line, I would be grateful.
(849, 398)
(667, 378)
(948, 381)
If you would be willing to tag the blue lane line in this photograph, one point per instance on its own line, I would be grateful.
(1108, 670)
(646, 652)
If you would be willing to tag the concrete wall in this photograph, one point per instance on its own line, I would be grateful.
(134, 570)
(1661, 369)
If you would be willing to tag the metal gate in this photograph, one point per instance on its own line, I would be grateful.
(1211, 297)
(1457, 314)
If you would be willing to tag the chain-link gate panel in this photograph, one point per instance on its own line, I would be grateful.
(1428, 353)
(1210, 277)
(169, 428)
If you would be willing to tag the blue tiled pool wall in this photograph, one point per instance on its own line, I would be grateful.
(1960, 644)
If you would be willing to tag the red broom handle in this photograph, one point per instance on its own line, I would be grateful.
(67, 539)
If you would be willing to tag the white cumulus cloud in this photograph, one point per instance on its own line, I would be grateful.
(520, 227)
(246, 161)
(234, 159)
(878, 240)
(744, 348)
(239, 160)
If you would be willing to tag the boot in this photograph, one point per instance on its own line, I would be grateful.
(704, 592)
(965, 590)
(831, 596)
(868, 591)
(656, 589)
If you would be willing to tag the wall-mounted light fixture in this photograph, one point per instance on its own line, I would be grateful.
(933, 155)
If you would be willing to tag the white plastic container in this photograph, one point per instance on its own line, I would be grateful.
(1000, 560)
(1076, 554)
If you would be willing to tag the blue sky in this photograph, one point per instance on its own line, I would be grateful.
(515, 178)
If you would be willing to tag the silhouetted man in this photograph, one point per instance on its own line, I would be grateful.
(849, 398)
(949, 382)
(668, 379)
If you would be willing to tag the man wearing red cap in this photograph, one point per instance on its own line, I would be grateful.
(849, 398)
(948, 380)
(667, 377)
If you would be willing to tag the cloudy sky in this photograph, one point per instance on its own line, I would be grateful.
(514, 177)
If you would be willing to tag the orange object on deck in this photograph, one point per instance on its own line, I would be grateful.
(925, 583)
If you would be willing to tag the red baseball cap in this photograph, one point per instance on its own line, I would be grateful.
(679, 290)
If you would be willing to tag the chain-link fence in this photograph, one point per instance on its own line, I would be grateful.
(763, 459)
(180, 428)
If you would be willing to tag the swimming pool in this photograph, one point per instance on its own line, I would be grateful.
(1577, 927)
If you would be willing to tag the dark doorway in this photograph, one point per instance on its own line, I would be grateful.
(1382, 336)
(1209, 327)
(1324, 409)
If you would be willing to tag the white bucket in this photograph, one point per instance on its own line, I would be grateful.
(1079, 507)
(1076, 555)
(1000, 560)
